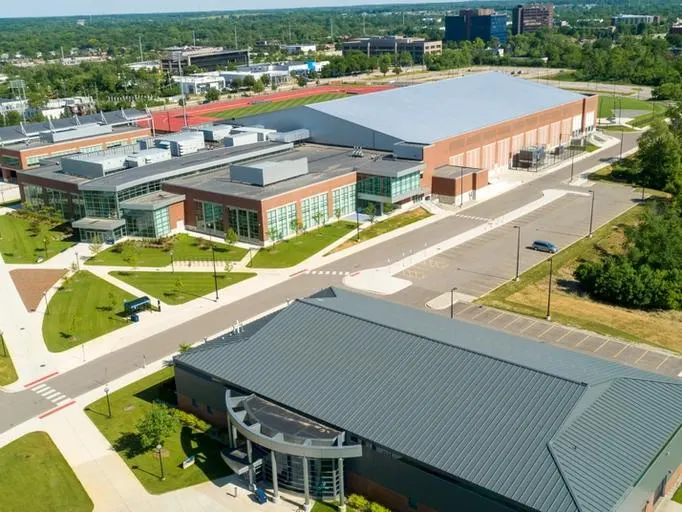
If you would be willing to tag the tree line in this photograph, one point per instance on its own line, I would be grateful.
(648, 273)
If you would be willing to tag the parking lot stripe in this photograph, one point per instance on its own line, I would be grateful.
(568, 331)
(600, 346)
(467, 309)
(618, 353)
(545, 331)
(659, 365)
(586, 336)
(528, 326)
(483, 310)
(641, 356)
(493, 319)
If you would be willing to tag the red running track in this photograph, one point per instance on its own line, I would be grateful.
(172, 120)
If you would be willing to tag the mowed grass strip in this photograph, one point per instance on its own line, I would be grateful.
(528, 296)
(610, 106)
(18, 244)
(184, 248)
(84, 308)
(179, 287)
(7, 372)
(379, 228)
(293, 251)
(37, 478)
(128, 407)
(272, 106)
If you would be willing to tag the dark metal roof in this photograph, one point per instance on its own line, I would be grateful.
(10, 134)
(481, 405)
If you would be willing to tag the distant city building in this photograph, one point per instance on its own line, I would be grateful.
(200, 83)
(676, 27)
(634, 19)
(148, 65)
(75, 105)
(394, 45)
(208, 59)
(472, 24)
(13, 105)
(531, 18)
(293, 49)
(279, 72)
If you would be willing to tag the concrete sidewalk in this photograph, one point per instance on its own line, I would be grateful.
(109, 482)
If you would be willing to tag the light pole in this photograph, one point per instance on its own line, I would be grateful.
(78, 263)
(591, 213)
(106, 392)
(549, 291)
(172, 263)
(357, 223)
(158, 450)
(572, 162)
(45, 243)
(642, 190)
(452, 302)
(518, 251)
(47, 304)
(622, 131)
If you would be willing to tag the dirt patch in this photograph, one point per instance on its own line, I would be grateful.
(31, 283)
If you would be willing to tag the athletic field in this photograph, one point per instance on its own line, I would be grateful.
(271, 106)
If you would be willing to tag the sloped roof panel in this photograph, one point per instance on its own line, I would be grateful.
(432, 111)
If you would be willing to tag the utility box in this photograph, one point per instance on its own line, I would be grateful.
(240, 139)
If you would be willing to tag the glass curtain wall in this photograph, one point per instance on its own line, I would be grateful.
(245, 223)
(314, 211)
(280, 221)
(344, 200)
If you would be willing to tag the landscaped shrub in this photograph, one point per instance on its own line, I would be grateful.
(359, 503)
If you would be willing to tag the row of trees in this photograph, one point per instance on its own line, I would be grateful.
(648, 273)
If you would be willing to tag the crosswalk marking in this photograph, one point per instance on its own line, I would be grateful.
(51, 394)
(328, 272)
(472, 217)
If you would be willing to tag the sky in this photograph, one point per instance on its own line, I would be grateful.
(28, 8)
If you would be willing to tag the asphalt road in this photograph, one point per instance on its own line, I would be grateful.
(562, 221)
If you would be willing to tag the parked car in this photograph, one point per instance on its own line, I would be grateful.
(544, 246)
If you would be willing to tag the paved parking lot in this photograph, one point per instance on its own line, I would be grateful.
(640, 356)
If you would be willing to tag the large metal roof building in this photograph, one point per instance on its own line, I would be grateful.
(449, 415)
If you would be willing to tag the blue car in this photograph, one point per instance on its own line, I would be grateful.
(544, 246)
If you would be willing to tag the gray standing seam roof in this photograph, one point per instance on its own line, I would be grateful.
(484, 406)
(432, 111)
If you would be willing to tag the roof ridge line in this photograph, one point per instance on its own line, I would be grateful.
(571, 492)
(441, 342)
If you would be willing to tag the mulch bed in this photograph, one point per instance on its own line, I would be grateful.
(32, 283)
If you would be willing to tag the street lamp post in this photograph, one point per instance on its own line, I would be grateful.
(47, 304)
(158, 450)
(591, 213)
(78, 263)
(45, 243)
(106, 391)
(518, 251)
(642, 191)
(357, 224)
(549, 292)
(452, 303)
(172, 263)
(572, 163)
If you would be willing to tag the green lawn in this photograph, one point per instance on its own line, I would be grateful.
(321, 506)
(7, 372)
(295, 250)
(184, 248)
(179, 287)
(36, 478)
(128, 406)
(564, 76)
(384, 226)
(18, 244)
(617, 128)
(84, 308)
(272, 106)
(678, 495)
(610, 106)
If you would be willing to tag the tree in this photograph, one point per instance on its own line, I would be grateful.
(258, 87)
(248, 81)
(370, 211)
(301, 81)
(660, 159)
(265, 78)
(388, 207)
(397, 70)
(184, 347)
(156, 426)
(318, 217)
(293, 225)
(129, 254)
(212, 94)
(236, 84)
(405, 59)
(231, 237)
(385, 64)
(95, 244)
(273, 234)
(337, 213)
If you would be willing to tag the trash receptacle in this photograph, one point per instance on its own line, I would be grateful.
(135, 317)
